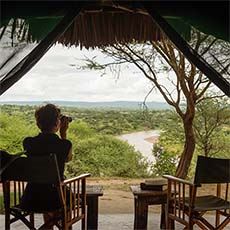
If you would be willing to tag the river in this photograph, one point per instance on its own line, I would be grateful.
(142, 141)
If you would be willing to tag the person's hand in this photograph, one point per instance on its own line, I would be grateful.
(64, 125)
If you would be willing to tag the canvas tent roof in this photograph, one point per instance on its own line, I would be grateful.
(89, 25)
(128, 18)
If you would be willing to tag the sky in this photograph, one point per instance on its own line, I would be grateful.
(56, 77)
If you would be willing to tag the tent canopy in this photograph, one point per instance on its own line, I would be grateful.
(129, 19)
(105, 22)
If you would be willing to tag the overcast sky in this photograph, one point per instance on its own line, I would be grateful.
(54, 78)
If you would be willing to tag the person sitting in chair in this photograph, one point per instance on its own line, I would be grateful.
(45, 198)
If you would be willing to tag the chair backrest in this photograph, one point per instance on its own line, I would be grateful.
(33, 169)
(212, 170)
(5, 157)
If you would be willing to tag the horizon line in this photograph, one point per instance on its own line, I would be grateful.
(57, 100)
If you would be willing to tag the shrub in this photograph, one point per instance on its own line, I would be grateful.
(14, 129)
(106, 156)
(166, 162)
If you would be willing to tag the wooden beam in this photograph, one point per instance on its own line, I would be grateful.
(37, 53)
(188, 51)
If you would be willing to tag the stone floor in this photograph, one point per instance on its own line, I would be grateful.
(107, 222)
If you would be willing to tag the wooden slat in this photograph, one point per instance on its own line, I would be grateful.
(175, 196)
(183, 202)
(178, 219)
(173, 178)
(15, 192)
(76, 178)
(74, 199)
(70, 200)
(179, 199)
(78, 197)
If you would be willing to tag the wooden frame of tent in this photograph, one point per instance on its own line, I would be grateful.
(147, 13)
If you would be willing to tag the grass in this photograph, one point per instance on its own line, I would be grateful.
(2, 201)
(1, 204)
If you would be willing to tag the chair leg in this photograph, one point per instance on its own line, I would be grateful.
(6, 191)
(162, 224)
(170, 224)
(31, 217)
(217, 218)
(83, 223)
(7, 221)
(224, 223)
(190, 223)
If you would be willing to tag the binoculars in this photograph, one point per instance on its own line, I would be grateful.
(69, 119)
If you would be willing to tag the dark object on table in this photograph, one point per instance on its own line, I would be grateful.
(156, 184)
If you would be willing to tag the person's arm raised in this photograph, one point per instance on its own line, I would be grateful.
(69, 156)
(63, 127)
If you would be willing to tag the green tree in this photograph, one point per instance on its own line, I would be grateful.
(212, 130)
(106, 156)
(186, 85)
(14, 129)
(80, 129)
(168, 148)
(212, 124)
(166, 161)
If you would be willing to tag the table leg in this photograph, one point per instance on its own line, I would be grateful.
(141, 214)
(163, 217)
(170, 224)
(6, 191)
(92, 213)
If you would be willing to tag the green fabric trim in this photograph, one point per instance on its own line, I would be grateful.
(180, 26)
(40, 27)
(181, 16)
(211, 27)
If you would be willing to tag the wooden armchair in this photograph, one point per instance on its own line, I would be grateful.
(72, 192)
(186, 207)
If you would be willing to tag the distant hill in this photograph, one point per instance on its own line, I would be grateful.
(105, 105)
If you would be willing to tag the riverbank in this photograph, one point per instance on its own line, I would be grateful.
(143, 142)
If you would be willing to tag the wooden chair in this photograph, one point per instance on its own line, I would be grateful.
(28, 169)
(186, 207)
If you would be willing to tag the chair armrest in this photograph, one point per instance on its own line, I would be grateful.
(179, 180)
(82, 176)
(73, 194)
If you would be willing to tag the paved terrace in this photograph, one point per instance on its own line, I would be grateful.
(107, 222)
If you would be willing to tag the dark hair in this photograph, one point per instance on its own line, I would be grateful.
(47, 116)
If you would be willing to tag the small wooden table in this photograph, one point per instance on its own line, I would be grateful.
(143, 198)
(92, 194)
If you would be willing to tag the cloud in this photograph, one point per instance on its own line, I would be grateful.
(54, 78)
